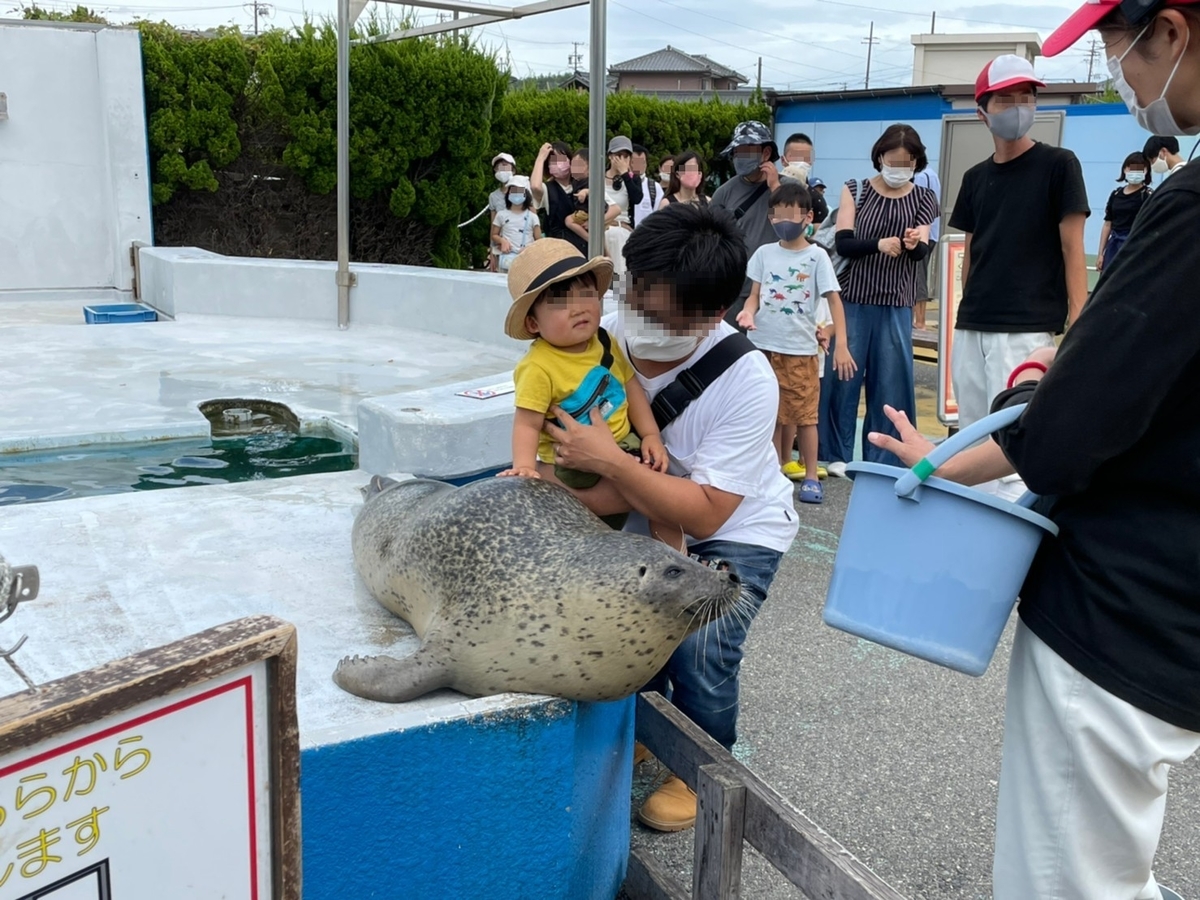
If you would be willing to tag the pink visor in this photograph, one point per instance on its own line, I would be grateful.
(1085, 19)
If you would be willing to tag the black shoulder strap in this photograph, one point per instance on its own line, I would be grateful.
(606, 344)
(692, 381)
(751, 200)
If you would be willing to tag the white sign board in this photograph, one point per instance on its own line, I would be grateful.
(172, 797)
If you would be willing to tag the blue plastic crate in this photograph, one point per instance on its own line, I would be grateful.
(115, 313)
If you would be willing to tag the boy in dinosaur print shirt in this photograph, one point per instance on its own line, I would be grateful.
(780, 316)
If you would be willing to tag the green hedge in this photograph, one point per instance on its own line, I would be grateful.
(426, 117)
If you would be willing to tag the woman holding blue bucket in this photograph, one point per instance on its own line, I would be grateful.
(1104, 680)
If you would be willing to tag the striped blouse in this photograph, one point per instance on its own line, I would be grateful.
(879, 279)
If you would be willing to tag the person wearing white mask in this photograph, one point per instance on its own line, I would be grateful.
(1104, 680)
(723, 488)
(1122, 208)
(503, 167)
(883, 234)
(753, 154)
(1024, 270)
(798, 159)
(1163, 153)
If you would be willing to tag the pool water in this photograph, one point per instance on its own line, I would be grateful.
(96, 469)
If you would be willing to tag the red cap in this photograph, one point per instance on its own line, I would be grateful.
(1088, 17)
(1005, 71)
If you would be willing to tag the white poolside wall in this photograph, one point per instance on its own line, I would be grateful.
(74, 175)
(431, 432)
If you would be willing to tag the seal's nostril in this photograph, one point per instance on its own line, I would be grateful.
(733, 577)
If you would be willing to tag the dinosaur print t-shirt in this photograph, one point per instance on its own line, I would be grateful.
(791, 285)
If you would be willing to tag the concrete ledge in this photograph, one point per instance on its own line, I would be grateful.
(435, 432)
(513, 796)
(469, 305)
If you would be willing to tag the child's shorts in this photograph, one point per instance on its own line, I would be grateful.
(581, 481)
(799, 388)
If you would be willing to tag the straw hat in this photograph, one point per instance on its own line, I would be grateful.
(540, 265)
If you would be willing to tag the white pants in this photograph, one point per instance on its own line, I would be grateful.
(980, 367)
(614, 246)
(982, 362)
(1083, 785)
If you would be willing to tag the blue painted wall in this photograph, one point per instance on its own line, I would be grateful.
(497, 806)
(1101, 135)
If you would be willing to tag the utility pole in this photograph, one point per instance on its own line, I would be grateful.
(575, 58)
(259, 8)
(760, 74)
(870, 40)
(1093, 51)
(933, 23)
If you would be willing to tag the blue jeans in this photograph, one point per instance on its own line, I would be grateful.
(826, 434)
(881, 344)
(701, 677)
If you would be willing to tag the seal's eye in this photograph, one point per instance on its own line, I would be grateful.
(673, 572)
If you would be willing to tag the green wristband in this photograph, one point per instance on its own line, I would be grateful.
(923, 470)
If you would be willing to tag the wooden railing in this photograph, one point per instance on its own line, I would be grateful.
(735, 805)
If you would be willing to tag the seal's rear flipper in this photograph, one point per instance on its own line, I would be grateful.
(388, 679)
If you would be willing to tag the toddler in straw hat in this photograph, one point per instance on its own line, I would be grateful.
(572, 364)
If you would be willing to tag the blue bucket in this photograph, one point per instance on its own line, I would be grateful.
(930, 567)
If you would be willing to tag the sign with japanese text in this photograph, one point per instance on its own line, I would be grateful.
(953, 249)
(173, 797)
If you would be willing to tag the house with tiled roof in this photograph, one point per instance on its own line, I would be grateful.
(670, 70)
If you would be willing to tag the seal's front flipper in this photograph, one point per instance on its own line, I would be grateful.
(388, 679)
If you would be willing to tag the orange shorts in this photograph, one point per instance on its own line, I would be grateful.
(799, 388)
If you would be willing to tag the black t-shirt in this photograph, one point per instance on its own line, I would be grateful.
(1111, 440)
(1122, 208)
(1017, 280)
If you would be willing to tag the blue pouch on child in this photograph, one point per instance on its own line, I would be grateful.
(600, 388)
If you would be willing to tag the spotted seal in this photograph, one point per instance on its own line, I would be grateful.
(513, 585)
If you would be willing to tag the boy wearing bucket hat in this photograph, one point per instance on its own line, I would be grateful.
(572, 363)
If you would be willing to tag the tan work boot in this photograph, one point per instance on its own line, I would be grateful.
(671, 808)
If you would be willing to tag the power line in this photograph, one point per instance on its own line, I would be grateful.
(790, 62)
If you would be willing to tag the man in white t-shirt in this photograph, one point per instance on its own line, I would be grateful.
(724, 489)
(651, 193)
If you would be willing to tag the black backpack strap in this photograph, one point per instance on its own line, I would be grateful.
(606, 344)
(751, 200)
(692, 381)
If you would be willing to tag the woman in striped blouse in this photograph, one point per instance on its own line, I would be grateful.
(883, 233)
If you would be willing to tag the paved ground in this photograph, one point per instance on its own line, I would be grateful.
(896, 758)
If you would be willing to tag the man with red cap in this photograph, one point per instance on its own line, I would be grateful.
(1024, 272)
(1103, 694)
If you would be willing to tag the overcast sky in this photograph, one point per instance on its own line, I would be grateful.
(803, 45)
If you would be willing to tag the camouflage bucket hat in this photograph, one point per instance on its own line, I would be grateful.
(752, 133)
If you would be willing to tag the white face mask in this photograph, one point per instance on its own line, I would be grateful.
(650, 341)
(1156, 117)
(503, 175)
(516, 199)
(896, 176)
(1135, 177)
(806, 167)
(1160, 167)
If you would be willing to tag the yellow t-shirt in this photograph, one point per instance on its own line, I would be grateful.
(547, 375)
